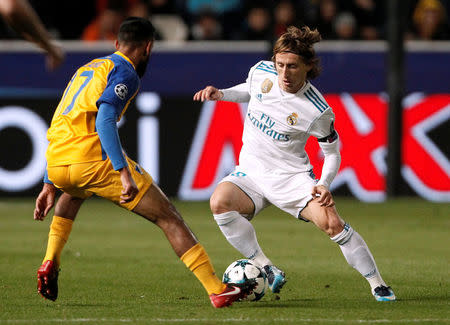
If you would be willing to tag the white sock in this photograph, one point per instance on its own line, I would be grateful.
(358, 255)
(240, 233)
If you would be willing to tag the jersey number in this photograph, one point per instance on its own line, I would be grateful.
(88, 75)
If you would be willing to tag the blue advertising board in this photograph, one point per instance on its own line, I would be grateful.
(353, 78)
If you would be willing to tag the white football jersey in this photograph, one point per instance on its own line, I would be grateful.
(278, 124)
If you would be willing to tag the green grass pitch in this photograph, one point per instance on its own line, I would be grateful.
(118, 268)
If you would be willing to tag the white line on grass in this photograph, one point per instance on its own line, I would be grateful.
(206, 320)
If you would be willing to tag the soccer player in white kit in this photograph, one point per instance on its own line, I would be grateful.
(284, 110)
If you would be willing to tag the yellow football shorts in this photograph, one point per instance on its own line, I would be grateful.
(85, 179)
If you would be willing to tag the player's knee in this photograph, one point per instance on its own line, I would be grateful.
(168, 217)
(219, 204)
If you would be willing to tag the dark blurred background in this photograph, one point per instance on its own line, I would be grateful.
(239, 19)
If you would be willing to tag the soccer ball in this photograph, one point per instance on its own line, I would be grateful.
(240, 271)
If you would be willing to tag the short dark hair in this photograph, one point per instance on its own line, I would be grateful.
(136, 30)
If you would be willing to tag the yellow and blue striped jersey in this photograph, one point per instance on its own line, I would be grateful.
(72, 134)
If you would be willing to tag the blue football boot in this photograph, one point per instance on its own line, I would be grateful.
(383, 293)
(275, 277)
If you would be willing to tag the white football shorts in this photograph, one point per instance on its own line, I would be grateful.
(289, 192)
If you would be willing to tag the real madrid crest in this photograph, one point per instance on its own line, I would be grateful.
(266, 85)
(292, 119)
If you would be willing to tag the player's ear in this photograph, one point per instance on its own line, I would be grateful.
(149, 47)
(117, 44)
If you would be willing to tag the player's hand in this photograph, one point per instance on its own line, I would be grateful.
(55, 56)
(325, 197)
(130, 189)
(44, 201)
(209, 93)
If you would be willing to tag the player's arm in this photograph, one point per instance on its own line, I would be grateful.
(22, 18)
(109, 138)
(237, 94)
(328, 140)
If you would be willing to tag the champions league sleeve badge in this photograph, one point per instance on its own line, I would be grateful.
(292, 119)
(266, 86)
(121, 91)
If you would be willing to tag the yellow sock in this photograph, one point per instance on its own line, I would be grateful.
(57, 238)
(197, 260)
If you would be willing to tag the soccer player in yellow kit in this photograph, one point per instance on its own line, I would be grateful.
(85, 157)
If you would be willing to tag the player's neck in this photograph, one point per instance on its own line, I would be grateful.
(132, 53)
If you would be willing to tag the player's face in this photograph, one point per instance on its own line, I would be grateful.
(291, 71)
